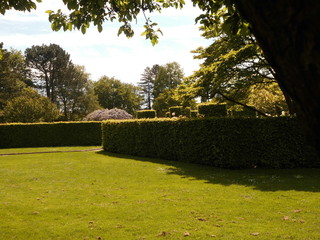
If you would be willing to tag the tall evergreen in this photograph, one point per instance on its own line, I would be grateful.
(147, 84)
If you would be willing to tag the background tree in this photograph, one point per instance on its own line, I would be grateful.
(46, 63)
(147, 84)
(112, 93)
(30, 107)
(164, 101)
(169, 77)
(13, 76)
(131, 98)
(158, 84)
(267, 99)
(232, 66)
(74, 93)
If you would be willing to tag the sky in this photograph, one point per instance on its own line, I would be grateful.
(106, 54)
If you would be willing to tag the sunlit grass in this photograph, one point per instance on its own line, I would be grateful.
(45, 149)
(95, 195)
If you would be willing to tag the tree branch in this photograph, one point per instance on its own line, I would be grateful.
(242, 104)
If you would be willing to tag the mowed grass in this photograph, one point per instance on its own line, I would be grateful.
(97, 195)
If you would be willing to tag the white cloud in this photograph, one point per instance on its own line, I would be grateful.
(105, 53)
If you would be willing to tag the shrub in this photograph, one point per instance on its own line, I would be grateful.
(246, 113)
(30, 107)
(105, 114)
(50, 134)
(212, 110)
(146, 114)
(219, 142)
(168, 115)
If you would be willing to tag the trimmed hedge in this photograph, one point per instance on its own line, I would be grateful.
(50, 134)
(219, 142)
(212, 110)
(146, 114)
(242, 112)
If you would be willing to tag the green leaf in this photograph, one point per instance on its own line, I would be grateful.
(144, 33)
(72, 5)
(154, 40)
(83, 29)
(69, 26)
(100, 28)
(33, 5)
(53, 26)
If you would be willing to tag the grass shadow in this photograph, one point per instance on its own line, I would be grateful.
(301, 179)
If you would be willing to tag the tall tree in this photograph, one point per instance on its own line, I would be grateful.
(164, 101)
(287, 33)
(232, 66)
(46, 63)
(169, 77)
(13, 75)
(75, 97)
(112, 93)
(147, 84)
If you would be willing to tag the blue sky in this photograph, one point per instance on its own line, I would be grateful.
(105, 53)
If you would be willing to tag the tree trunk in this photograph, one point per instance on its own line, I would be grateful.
(288, 31)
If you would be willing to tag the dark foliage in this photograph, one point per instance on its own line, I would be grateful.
(220, 142)
(50, 134)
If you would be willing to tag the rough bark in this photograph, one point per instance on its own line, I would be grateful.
(288, 31)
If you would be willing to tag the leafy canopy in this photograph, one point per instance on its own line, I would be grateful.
(83, 13)
(219, 15)
(30, 107)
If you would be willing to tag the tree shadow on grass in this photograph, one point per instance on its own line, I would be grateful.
(300, 179)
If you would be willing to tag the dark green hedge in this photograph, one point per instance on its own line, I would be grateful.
(146, 114)
(220, 142)
(194, 113)
(180, 111)
(175, 111)
(245, 112)
(212, 110)
(50, 134)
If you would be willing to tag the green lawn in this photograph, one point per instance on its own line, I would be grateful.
(96, 195)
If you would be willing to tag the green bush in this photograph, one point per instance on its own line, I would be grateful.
(212, 110)
(146, 114)
(219, 142)
(241, 111)
(50, 134)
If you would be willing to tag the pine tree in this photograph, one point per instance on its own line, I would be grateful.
(147, 84)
